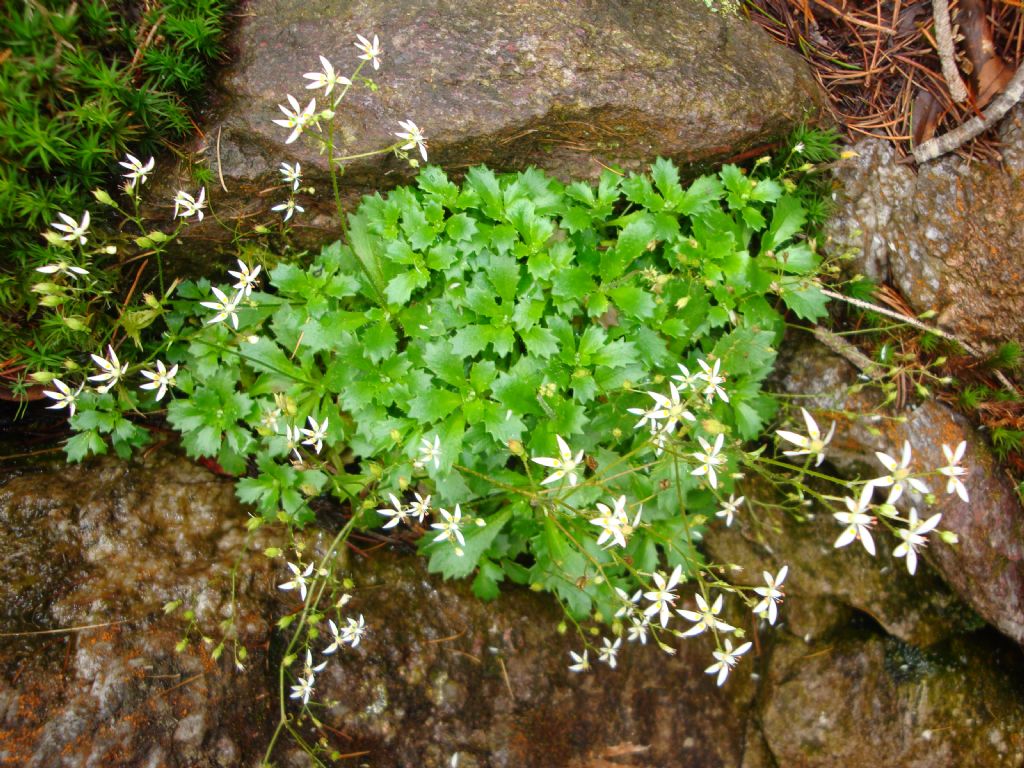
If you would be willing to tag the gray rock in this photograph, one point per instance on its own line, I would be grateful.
(948, 235)
(440, 674)
(986, 568)
(114, 541)
(570, 87)
(873, 701)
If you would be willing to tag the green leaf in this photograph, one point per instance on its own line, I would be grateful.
(540, 341)
(746, 351)
(807, 303)
(443, 557)
(666, 177)
(84, 444)
(433, 405)
(470, 341)
(460, 227)
(788, 217)
(633, 241)
(434, 182)
(485, 584)
(401, 286)
(503, 274)
(633, 300)
(485, 184)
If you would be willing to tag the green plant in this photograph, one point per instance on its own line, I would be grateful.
(488, 321)
(81, 84)
(551, 385)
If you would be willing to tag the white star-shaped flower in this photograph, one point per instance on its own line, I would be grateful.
(413, 137)
(248, 278)
(396, 512)
(671, 409)
(226, 308)
(292, 174)
(450, 527)
(609, 651)
(353, 630)
(713, 381)
(857, 521)
(296, 118)
(705, 617)
(160, 379)
(914, 536)
(710, 459)
(685, 379)
(564, 464)
(580, 662)
(300, 582)
(953, 471)
(138, 172)
(420, 508)
(899, 477)
(63, 268)
(771, 595)
(111, 370)
(430, 453)
(614, 524)
(185, 205)
(662, 598)
(315, 434)
(726, 660)
(813, 444)
(325, 79)
(63, 396)
(370, 50)
(289, 207)
(730, 508)
(72, 229)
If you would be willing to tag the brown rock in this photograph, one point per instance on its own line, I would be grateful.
(949, 236)
(569, 87)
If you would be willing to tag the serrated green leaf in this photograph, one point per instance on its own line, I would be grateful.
(401, 286)
(540, 341)
(633, 301)
(633, 241)
(807, 303)
(443, 557)
(434, 405)
(788, 217)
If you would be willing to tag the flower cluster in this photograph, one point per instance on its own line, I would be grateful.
(448, 524)
(861, 513)
(661, 610)
(162, 378)
(347, 631)
(299, 119)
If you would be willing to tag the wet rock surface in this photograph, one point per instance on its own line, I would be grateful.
(440, 675)
(986, 568)
(869, 700)
(569, 87)
(949, 235)
(826, 587)
(97, 550)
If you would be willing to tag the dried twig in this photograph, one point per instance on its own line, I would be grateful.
(968, 348)
(955, 138)
(947, 53)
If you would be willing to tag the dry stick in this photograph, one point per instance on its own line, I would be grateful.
(947, 142)
(947, 54)
(969, 349)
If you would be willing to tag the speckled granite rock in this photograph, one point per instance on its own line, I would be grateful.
(567, 86)
(440, 676)
(948, 235)
(986, 568)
